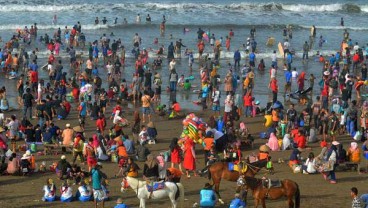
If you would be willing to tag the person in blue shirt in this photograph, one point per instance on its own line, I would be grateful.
(332, 60)
(237, 58)
(252, 59)
(288, 76)
(208, 197)
(97, 176)
(237, 202)
(82, 112)
(289, 60)
(33, 66)
(205, 91)
(120, 204)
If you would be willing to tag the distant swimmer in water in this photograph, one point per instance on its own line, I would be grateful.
(185, 30)
(116, 21)
(104, 21)
(138, 19)
(125, 21)
(54, 20)
(97, 21)
(342, 22)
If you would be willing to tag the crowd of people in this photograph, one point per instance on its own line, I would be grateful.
(335, 111)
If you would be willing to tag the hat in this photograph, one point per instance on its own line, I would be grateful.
(119, 201)
(326, 73)
(78, 129)
(2, 129)
(63, 157)
(67, 125)
(150, 125)
(24, 157)
(264, 148)
(28, 153)
(335, 143)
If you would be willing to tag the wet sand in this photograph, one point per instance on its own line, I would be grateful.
(19, 191)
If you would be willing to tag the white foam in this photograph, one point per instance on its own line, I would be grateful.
(13, 27)
(313, 8)
(335, 27)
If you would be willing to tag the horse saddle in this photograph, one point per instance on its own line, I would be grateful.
(240, 167)
(269, 183)
(156, 186)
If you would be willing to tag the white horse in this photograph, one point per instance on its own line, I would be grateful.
(171, 190)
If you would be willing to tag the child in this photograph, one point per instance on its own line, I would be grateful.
(50, 191)
(161, 110)
(120, 204)
(152, 133)
(175, 109)
(143, 135)
(25, 165)
(66, 193)
(84, 192)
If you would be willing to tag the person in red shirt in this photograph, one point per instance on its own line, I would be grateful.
(248, 104)
(300, 140)
(67, 106)
(33, 75)
(51, 58)
(356, 60)
(200, 46)
(274, 88)
(231, 33)
(101, 124)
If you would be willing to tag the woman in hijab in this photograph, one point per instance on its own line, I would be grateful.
(50, 191)
(273, 142)
(354, 153)
(150, 170)
(175, 152)
(189, 156)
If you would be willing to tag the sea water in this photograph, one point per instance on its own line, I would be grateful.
(213, 16)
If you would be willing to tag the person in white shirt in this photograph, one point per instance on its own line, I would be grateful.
(66, 193)
(138, 19)
(274, 59)
(309, 166)
(172, 64)
(356, 46)
(294, 77)
(84, 192)
(273, 72)
(50, 191)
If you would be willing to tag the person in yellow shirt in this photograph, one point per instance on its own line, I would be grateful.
(354, 153)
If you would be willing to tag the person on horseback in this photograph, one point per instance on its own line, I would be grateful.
(150, 171)
(212, 157)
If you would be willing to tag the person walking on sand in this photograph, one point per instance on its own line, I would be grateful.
(189, 157)
(146, 106)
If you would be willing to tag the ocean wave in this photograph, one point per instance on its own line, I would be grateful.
(183, 7)
(335, 28)
(13, 27)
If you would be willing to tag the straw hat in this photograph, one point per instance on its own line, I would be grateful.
(119, 201)
(78, 129)
(264, 148)
(335, 143)
(2, 129)
(150, 125)
(25, 156)
(63, 157)
(326, 73)
(67, 125)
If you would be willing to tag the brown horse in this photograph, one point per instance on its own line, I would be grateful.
(288, 188)
(220, 170)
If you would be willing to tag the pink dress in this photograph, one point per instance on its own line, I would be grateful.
(57, 48)
(272, 143)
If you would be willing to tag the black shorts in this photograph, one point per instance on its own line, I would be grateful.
(72, 60)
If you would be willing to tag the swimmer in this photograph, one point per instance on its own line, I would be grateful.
(125, 21)
(155, 41)
(116, 21)
(54, 20)
(97, 21)
(138, 19)
(104, 21)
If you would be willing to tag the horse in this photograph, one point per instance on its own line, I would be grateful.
(171, 190)
(287, 188)
(220, 170)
